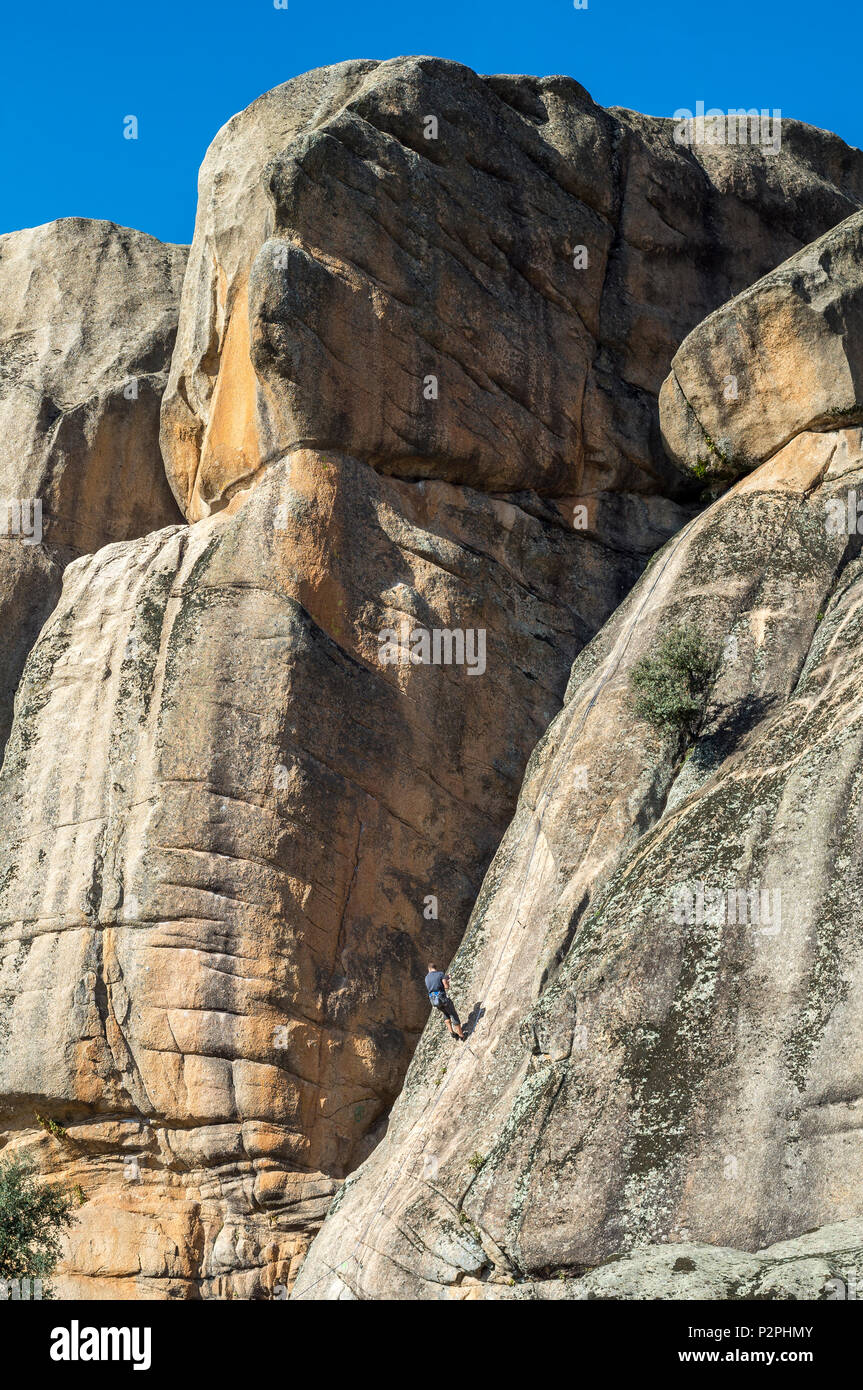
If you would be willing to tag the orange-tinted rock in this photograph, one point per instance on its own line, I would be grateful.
(476, 279)
(232, 836)
(636, 1075)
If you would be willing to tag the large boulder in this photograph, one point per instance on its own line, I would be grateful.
(476, 279)
(786, 355)
(88, 315)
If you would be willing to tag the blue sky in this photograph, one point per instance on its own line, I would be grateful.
(73, 71)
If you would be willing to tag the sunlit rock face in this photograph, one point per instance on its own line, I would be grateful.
(413, 400)
(88, 316)
(233, 834)
(664, 960)
(477, 279)
(783, 357)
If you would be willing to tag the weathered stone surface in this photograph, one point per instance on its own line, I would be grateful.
(223, 816)
(784, 356)
(633, 1078)
(822, 1266)
(31, 577)
(88, 315)
(341, 258)
(222, 819)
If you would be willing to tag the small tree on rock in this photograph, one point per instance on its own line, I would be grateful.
(671, 686)
(32, 1216)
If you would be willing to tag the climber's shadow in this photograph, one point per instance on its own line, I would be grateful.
(473, 1019)
(735, 723)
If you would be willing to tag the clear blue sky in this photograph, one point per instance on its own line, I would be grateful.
(72, 71)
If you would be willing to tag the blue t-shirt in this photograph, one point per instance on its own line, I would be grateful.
(434, 980)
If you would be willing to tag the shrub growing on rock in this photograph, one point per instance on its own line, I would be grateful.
(32, 1215)
(670, 687)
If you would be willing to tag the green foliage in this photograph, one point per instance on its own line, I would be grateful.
(52, 1127)
(476, 1161)
(670, 687)
(32, 1216)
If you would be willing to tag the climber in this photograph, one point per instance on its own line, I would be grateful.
(436, 984)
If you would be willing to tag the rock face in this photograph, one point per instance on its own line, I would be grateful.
(31, 577)
(413, 400)
(783, 357)
(821, 1266)
(237, 829)
(663, 962)
(482, 280)
(88, 315)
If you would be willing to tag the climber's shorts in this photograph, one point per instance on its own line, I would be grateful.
(447, 1008)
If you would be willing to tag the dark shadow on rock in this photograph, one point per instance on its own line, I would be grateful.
(737, 721)
(476, 1013)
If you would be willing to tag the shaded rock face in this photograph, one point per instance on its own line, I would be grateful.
(223, 817)
(664, 962)
(88, 315)
(784, 356)
(31, 577)
(477, 279)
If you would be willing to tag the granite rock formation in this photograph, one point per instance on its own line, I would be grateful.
(820, 1266)
(422, 334)
(783, 357)
(369, 227)
(237, 813)
(88, 316)
(663, 963)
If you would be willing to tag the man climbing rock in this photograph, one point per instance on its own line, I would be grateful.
(437, 984)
